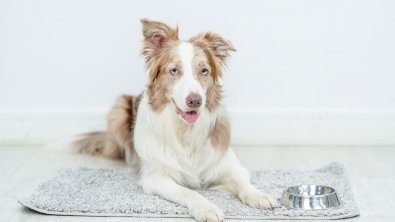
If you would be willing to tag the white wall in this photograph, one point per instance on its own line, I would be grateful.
(314, 56)
(58, 55)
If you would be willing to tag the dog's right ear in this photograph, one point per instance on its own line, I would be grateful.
(156, 35)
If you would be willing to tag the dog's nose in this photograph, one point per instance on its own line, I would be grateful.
(194, 100)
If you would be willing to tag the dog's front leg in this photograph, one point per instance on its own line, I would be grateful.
(249, 195)
(236, 180)
(199, 207)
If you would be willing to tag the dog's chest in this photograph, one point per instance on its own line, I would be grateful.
(194, 176)
(191, 146)
(199, 158)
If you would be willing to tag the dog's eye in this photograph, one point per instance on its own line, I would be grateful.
(174, 71)
(204, 71)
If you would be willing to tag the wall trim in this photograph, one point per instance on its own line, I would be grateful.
(248, 127)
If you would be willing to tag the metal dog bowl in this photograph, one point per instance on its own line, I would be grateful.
(310, 197)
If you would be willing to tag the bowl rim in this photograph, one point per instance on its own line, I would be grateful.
(318, 195)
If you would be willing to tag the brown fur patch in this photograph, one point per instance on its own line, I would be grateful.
(214, 97)
(157, 37)
(220, 136)
(219, 46)
(159, 88)
(99, 144)
(214, 89)
(159, 48)
(121, 119)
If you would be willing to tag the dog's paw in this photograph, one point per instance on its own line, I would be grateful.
(206, 211)
(257, 199)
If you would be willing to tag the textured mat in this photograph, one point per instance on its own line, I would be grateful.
(113, 192)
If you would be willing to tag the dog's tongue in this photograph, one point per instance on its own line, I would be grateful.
(191, 116)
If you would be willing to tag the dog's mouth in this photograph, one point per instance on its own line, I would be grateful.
(189, 116)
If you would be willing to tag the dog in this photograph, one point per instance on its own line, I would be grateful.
(176, 134)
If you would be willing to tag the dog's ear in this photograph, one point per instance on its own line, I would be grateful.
(156, 36)
(218, 46)
(217, 50)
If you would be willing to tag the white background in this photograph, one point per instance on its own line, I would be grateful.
(292, 55)
(305, 72)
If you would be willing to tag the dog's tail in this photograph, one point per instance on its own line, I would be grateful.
(117, 141)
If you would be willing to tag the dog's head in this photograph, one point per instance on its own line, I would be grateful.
(183, 74)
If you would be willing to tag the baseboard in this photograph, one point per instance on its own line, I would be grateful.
(248, 127)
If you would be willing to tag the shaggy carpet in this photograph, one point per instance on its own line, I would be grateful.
(113, 192)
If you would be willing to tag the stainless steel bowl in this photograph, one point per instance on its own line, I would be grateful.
(310, 197)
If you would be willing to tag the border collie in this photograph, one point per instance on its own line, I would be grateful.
(176, 134)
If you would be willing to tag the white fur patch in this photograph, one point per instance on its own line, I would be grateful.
(188, 83)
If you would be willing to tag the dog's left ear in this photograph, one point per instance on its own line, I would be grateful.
(218, 46)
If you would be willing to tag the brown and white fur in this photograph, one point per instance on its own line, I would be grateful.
(175, 143)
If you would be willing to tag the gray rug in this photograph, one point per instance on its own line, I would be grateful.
(113, 192)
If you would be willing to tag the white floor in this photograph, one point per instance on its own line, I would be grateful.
(371, 170)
